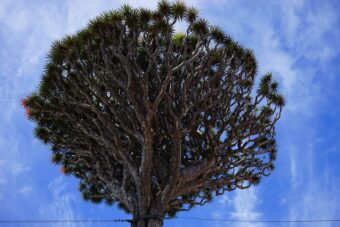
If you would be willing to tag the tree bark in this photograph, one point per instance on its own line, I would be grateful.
(154, 217)
(148, 223)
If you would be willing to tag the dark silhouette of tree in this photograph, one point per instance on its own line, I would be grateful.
(153, 120)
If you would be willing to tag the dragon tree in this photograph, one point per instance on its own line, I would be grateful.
(153, 118)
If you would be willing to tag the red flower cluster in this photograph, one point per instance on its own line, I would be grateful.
(28, 111)
(24, 102)
(62, 169)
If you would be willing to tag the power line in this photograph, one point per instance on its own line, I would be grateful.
(261, 221)
(60, 221)
(188, 218)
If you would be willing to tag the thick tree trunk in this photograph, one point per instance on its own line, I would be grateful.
(148, 223)
(153, 218)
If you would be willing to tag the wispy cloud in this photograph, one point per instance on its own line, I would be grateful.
(12, 165)
(25, 190)
(309, 27)
(318, 199)
(246, 208)
(240, 205)
(62, 206)
(292, 153)
(309, 35)
(313, 193)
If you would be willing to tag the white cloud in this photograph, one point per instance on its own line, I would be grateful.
(292, 152)
(314, 193)
(241, 205)
(18, 167)
(224, 200)
(316, 200)
(291, 19)
(12, 164)
(62, 206)
(3, 7)
(217, 214)
(307, 28)
(246, 208)
(25, 190)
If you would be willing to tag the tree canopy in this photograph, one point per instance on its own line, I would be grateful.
(152, 119)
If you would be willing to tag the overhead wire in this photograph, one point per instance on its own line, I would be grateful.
(27, 221)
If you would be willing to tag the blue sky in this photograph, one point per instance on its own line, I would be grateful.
(299, 41)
